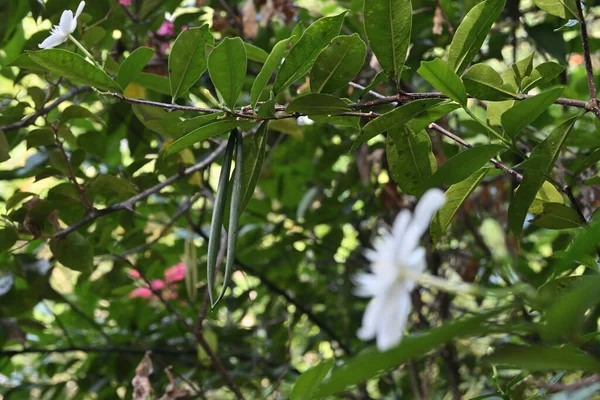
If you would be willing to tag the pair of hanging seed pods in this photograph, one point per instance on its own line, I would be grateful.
(235, 144)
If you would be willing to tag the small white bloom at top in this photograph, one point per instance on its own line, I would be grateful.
(60, 33)
(395, 263)
(304, 120)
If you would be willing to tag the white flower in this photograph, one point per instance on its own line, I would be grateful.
(60, 33)
(304, 120)
(396, 264)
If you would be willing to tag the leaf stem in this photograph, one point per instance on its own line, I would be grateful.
(84, 51)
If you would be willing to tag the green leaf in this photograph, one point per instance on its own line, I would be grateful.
(255, 151)
(78, 112)
(338, 64)
(309, 381)
(444, 79)
(432, 114)
(546, 153)
(547, 194)
(158, 120)
(4, 148)
(455, 196)
(270, 65)
(388, 26)
(542, 74)
(370, 362)
(524, 112)
(410, 159)
(471, 33)
(187, 61)
(73, 251)
(484, 83)
(227, 69)
(583, 244)
(133, 65)
(397, 117)
(566, 316)
(255, 53)
(159, 84)
(495, 109)
(565, 9)
(110, 186)
(318, 104)
(205, 132)
(302, 56)
(522, 69)
(16, 199)
(542, 358)
(74, 67)
(214, 239)
(40, 137)
(188, 125)
(557, 216)
(464, 164)
(8, 237)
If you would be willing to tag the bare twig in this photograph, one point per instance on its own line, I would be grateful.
(588, 59)
(559, 387)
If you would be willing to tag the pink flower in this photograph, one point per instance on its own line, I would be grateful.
(157, 284)
(142, 292)
(176, 273)
(166, 29)
(125, 2)
(135, 274)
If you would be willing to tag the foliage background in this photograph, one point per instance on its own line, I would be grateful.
(74, 332)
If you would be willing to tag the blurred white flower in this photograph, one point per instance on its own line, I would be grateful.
(304, 120)
(396, 265)
(60, 33)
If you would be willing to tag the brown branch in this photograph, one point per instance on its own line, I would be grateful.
(130, 203)
(31, 119)
(559, 387)
(445, 17)
(587, 57)
(72, 176)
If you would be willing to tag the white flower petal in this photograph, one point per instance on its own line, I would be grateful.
(369, 323)
(393, 319)
(401, 223)
(66, 20)
(431, 201)
(77, 14)
(53, 40)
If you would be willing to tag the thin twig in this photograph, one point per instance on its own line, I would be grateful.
(31, 119)
(587, 56)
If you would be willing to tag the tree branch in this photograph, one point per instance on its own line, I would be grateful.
(31, 119)
(588, 59)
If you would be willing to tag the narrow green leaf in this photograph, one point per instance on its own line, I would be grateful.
(464, 164)
(388, 25)
(188, 125)
(75, 111)
(205, 132)
(542, 74)
(214, 238)
(302, 56)
(455, 196)
(255, 151)
(74, 67)
(159, 84)
(187, 61)
(270, 65)
(158, 120)
(227, 68)
(73, 251)
(524, 112)
(471, 33)
(410, 159)
(133, 65)
(4, 148)
(309, 381)
(522, 69)
(565, 9)
(370, 362)
(397, 117)
(235, 211)
(432, 114)
(255, 53)
(484, 83)
(542, 358)
(338, 64)
(566, 316)
(557, 216)
(583, 244)
(318, 104)
(444, 79)
(546, 153)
